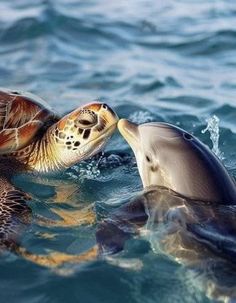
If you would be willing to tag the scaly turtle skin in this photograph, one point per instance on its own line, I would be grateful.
(33, 138)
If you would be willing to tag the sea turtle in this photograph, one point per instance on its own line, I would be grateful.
(34, 139)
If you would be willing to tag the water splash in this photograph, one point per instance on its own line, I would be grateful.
(213, 128)
(85, 170)
(141, 117)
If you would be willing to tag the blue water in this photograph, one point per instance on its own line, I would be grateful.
(169, 60)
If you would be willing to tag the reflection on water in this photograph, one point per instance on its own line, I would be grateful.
(170, 61)
(198, 234)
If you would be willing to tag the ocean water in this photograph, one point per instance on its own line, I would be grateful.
(151, 60)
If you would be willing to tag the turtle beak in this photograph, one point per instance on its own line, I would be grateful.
(130, 132)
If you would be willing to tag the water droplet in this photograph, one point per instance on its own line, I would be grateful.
(213, 128)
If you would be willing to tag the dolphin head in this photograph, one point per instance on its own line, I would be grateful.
(169, 156)
(154, 146)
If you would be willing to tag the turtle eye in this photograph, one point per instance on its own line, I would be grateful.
(85, 122)
(15, 93)
(86, 119)
(104, 106)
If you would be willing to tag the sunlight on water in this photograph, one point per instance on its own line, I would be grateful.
(131, 264)
(214, 130)
(152, 231)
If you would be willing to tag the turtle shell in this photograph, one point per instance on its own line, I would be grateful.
(22, 115)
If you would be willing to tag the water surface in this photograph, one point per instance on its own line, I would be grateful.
(170, 61)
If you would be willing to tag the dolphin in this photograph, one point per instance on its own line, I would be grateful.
(188, 194)
(169, 156)
(200, 195)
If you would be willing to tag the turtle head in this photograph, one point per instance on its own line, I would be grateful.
(83, 132)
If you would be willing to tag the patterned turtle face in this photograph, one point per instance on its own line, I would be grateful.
(82, 133)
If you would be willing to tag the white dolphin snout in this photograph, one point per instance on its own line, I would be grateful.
(130, 132)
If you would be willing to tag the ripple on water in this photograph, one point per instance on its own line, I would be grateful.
(171, 61)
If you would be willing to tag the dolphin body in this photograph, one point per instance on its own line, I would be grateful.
(188, 191)
(168, 156)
